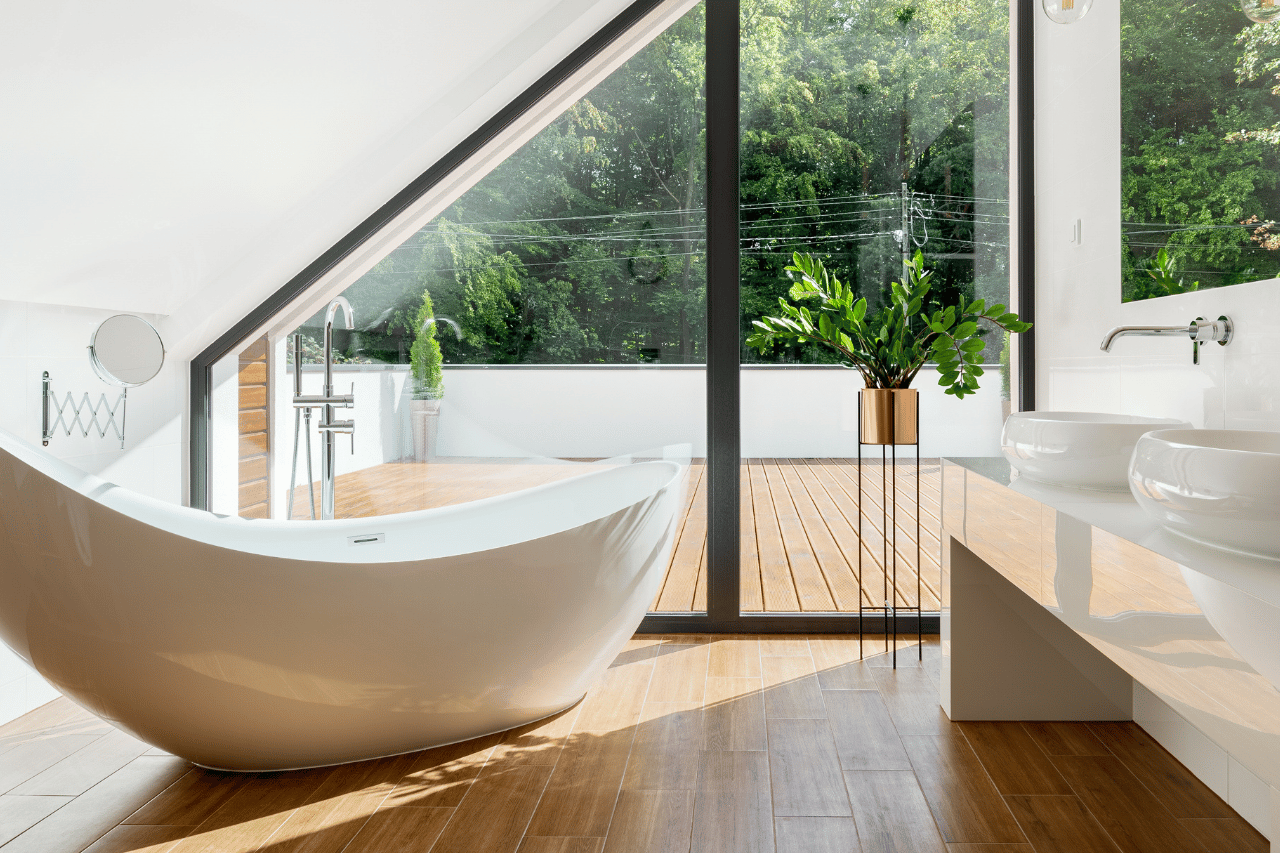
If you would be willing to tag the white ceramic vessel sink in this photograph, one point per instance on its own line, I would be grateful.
(1082, 450)
(1216, 486)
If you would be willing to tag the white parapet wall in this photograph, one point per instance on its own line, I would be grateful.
(604, 411)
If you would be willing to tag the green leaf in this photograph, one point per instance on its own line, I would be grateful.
(966, 330)
(976, 307)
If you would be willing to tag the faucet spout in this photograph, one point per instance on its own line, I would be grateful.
(1146, 331)
(1198, 331)
(328, 426)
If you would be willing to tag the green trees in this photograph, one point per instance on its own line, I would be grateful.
(588, 244)
(424, 356)
(1199, 159)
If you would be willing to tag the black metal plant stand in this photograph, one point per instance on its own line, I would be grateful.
(889, 528)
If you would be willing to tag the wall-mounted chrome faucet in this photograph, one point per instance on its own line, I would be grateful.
(1199, 330)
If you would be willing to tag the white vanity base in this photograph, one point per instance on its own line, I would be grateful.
(1004, 657)
(1061, 605)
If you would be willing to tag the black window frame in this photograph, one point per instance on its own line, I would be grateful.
(723, 614)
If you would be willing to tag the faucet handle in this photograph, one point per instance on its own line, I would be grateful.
(1202, 331)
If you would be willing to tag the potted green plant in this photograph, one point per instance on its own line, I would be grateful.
(427, 381)
(889, 348)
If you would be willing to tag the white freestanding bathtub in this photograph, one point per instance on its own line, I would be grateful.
(262, 645)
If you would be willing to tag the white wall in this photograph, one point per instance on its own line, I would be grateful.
(604, 411)
(1078, 286)
(39, 338)
(188, 159)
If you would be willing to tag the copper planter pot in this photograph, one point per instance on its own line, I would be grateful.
(889, 415)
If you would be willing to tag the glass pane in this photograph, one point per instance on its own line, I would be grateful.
(870, 131)
(548, 323)
(1199, 127)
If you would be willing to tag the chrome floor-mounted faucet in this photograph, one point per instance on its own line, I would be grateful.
(328, 426)
(1199, 330)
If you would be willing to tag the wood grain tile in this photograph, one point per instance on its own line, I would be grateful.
(543, 844)
(18, 814)
(784, 646)
(1013, 760)
(536, 743)
(31, 758)
(679, 673)
(580, 798)
(912, 700)
(965, 804)
(1134, 818)
(891, 813)
(651, 822)
(403, 829)
(97, 811)
(190, 800)
(1060, 825)
(1232, 835)
(52, 719)
(336, 811)
(733, 714)
(804, 770)
(733, 809)
(664, 755)
(254, 813)
(816, 835)
(734, 657)
(85, 768)
(581, 794)
(139, 839)
(864, 735)
(1173, 784)
(440, 777)
(990, 848)
(1065, 738)
(495, 813)
(839, 666)
(791, 689)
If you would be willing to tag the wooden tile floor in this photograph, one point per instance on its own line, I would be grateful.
(732, 744)
(799, 525)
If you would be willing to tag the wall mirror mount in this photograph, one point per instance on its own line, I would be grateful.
(125, 351)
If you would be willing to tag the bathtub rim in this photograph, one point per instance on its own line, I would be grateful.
(270, 537)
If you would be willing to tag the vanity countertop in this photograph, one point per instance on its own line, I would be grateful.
(1118, 513)
(1197, 626)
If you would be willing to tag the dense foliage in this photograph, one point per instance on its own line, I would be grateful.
(888, 347)
(1200, 127)
(870, 129)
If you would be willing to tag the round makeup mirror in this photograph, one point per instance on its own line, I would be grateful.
(126, 350)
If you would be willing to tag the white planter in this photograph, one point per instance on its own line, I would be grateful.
(425, 417)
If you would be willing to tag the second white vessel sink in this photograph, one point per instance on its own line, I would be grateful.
(1216, 486)
(1083, 450)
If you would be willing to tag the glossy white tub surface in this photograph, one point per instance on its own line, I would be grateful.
(1080, 450)
(257, 645)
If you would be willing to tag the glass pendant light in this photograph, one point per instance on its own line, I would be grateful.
(1261, 11)
(1070, 11)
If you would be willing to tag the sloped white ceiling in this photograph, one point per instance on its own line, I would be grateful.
(188, 158)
